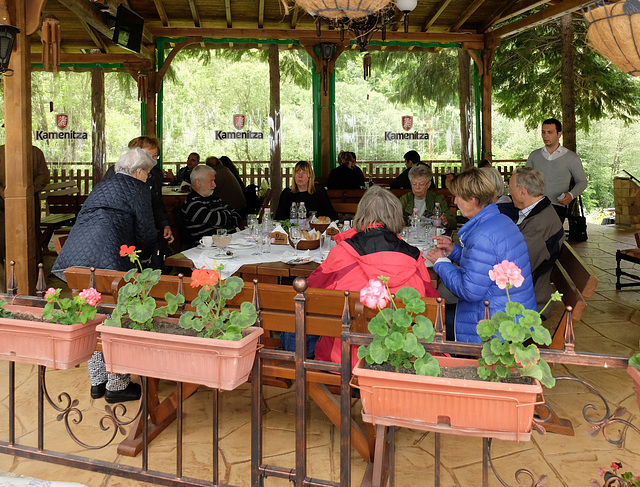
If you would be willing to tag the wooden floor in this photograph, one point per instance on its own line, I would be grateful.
(610, 324)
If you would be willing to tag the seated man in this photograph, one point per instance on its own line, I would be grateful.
(411, 158)
(228, 188)
(202, 212)
(541, 228)
(184, 173)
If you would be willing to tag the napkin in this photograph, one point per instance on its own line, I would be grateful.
(292, 256)
(279, 229)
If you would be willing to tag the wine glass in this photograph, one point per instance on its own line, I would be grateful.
(295, 235)
(221, 240)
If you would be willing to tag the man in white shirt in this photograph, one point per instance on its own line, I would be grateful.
(560, 166)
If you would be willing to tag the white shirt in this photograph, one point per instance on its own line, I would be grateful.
(522, 214)
(560, 151)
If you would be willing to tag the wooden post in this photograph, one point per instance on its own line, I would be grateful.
(98, 135)
(487, 62)
(568, 79)
(466, 119)
(151, 105)
(275, 126)
(19, 202)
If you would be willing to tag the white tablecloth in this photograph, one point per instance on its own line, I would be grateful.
(243, 248)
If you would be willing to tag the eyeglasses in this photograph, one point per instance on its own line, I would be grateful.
(419, 185)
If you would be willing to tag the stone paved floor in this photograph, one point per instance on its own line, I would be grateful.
(610, 324)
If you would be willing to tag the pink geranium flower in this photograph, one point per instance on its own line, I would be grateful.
(375, 295)
(91, 296)
(505, 274)
(50, 294)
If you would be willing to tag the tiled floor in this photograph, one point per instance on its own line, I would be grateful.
(611, 324)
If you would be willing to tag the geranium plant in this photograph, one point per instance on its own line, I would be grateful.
(635, 360)
(134, 299)
(79, 309)
(616, 477)
(211, 319)
(3, 312)
(397, 330)
(505, 334)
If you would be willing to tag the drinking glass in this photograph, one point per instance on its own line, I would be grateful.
(295, 234)
(221, 240)
(252, 221)
(256, 237)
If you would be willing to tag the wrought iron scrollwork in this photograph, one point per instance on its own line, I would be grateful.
(71, 415)
(520, 474)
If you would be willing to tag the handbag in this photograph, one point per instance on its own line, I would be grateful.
(578, 225)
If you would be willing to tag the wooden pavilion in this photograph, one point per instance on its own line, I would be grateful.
(85, 41)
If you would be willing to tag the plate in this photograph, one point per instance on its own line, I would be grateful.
(223, 256)
(302, 260)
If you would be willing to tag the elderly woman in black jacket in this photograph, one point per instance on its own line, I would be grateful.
(117, 212)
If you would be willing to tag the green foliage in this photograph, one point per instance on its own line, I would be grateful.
(527, 79)
(396, 332)
(633, 361)
(504, 337)
(71, 310)
(3, 312)
(211, 319)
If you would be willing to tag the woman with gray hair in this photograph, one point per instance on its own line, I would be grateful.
(424, 200)
(370, 249)
(117, 212)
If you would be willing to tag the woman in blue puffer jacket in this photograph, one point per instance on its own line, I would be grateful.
(487, 239)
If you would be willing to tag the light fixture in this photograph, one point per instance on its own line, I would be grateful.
(327, 51)
(406, 7)
(7, 37)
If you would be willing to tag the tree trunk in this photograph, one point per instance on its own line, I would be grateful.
(98, 135)
(464, 95)
(275, 128)
(568, 91)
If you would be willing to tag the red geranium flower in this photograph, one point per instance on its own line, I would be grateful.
(204, 277)
(126, 250)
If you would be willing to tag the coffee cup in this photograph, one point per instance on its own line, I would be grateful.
(206, 241)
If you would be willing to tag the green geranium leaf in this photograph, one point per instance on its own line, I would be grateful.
(423, 328)
(378, 326)
(401, 318)
(502, 371)
(489, 357)
(173, 301)
(525, 356)
(142, 312)
(409, 343)
(513, 309)
(635, 361)
(427, 365)
(498, 347)
(486, 329)
(541, 335)
(484, 373)
(378, 352)
(412, 301)
(130, 273)
(363, 351)
(233, 333)
(243, 318)
(231, 287)
(512, 331)
(530, 318)
(394, 341)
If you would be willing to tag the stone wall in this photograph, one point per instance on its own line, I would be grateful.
(626, 197)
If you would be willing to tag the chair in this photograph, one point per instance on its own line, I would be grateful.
(630, 255)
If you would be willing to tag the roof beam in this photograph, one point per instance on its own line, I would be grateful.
(521, 7)
(443, 5)
(550, 13)
(162, 13)
(473, 6)
(95, 36)
(98, 58)
(87, 12)
(261, 14)
(194, 13)
(227, 8)
(294, 16)
(498, 15)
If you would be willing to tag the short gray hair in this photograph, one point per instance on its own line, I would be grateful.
(495, 178)
(134, 159)
(420, 170)
(530, 179)
(200, 172)
(379, 205)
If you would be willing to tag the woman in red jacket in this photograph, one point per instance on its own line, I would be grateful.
(370, 249)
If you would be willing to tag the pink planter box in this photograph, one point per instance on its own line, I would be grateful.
(220, 364)
(453, 406)
(50, 344)
(635, 375)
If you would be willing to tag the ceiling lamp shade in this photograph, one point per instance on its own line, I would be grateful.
(338, 9)
(7, 37)
(614, 31)
(406, 6)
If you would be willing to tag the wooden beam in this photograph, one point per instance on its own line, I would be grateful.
(466, 14)
(95, 36)
(477, 60)
(34, 12)
(169, 59)
(162, 13)
(474, 41)
(538, 18)
(97, 58)
(520, 8)
(194, 13)
(86, 11)
(294, 16)
(443, 5)
(498, 15)
(261, 14)
(227, 8)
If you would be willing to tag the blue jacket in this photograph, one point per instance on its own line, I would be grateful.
(487, 239)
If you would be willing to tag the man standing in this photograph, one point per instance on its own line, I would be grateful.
(184, 173)
(540, 227)
(402, 182)
(202, 212)
(559, 166)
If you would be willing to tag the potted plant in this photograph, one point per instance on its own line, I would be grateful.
(616, 478)
(634, 372)
(59, 338)
(214, 345)
(466, 406)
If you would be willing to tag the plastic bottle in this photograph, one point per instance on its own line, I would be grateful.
(266, 231)
(293, 214)
(302, 215)
(437, 216)
(415, 219)
(346, 226)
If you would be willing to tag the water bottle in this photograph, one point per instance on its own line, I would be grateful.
(415, 219)
(266, 231)
(293, 214)
(302, 215)
(437, 216)
(346, 226)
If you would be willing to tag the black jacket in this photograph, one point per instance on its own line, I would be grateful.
(117, 212)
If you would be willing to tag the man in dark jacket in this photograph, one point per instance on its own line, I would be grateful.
(184, 174)
(541, 228)
(411, 158)
(202, 212)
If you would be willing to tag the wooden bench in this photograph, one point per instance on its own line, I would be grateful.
(628, 255)
(325, 310)
(577, 282)
(61, 208)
